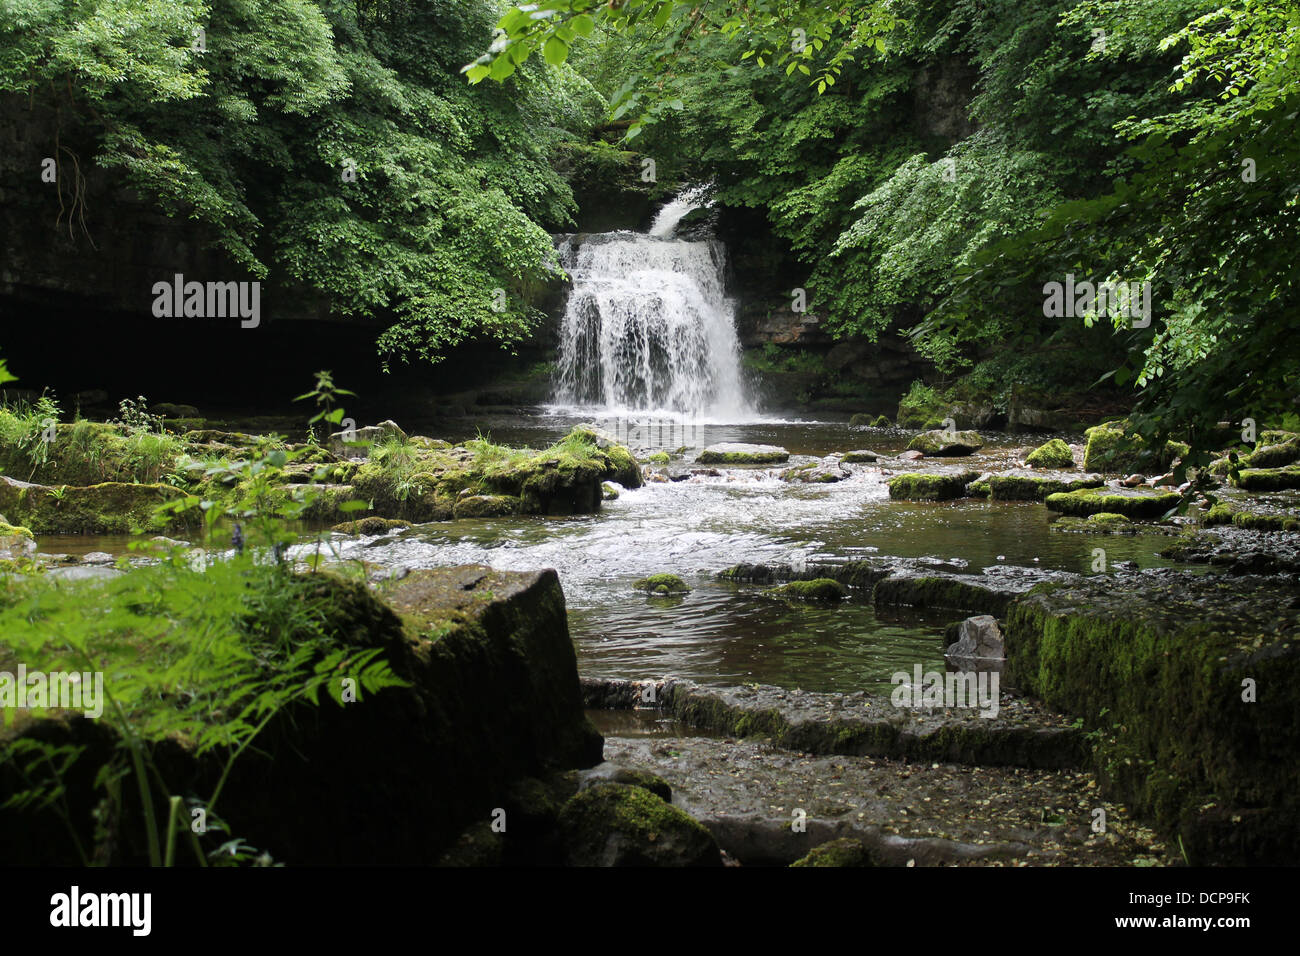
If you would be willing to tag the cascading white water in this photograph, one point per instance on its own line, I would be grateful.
(647, 327)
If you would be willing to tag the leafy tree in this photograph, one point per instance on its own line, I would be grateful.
(329, 144)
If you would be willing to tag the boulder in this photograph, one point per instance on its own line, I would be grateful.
(860, 456)
(845, 851)
(978, 638)
(612, 773)
(15, 542)
(662, 584)
(946, 444)
(920, 487)
(485, 506)
(816, 473)
(739, 453)
(1112, 449)
(1053, 454)
(820, 590)
(1135, 505)
(614, 825)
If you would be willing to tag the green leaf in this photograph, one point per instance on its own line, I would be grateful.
(556, 51)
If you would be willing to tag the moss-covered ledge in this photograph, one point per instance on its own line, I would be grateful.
(1155, 665)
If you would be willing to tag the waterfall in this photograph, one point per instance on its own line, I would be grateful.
(647, 327)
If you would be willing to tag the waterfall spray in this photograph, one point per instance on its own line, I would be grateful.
(648, 327)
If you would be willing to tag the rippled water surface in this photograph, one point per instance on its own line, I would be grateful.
(726, 633)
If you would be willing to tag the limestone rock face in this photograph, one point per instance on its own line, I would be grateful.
(979, 638)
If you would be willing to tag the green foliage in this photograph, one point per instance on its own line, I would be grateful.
(24, 427)
(207, 657)
(205, 652)
(323, 144)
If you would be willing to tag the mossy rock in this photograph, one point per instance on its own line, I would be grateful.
(946, 444)
(1269, 479)
(485, 506)
(739, 453)
(1051, 454)
(110, 507)
(866, 421)
(914, 486)
(1028, 488)
(861, 456)
(845, 851)
(609, 491)
(1107, 517)
(1111, 449)
(822, 590)
(1275, 455)
(15, 541)
(370, 526)
(662, 584)
(1156, 672)
(1134, 505)
(979, 489)
(659, 458)
(629, 777)
(614, 825)
(1224, 513)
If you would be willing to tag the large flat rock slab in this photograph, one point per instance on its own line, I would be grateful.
(937, 813)
(1020, 734)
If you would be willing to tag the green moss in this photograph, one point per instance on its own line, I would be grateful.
(934, 591)
(1053, 454)
(1225, 513)
(1136, 506)
(1157, 676)
(485, 506)
(1110, 449)
(914, 486)
(843, 852)
(1275, 455)
(978, 489)
(859, 456)
(370, 526)
(761, 455)
(866, 421)
(659, 458)
(1106, 517)
(1269, 479)
(1025, 488)
(105, 508)
(15, 531)
(662, 584)
(609, 824)
(818, 589)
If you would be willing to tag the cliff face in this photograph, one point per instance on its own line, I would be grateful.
(84, 239)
